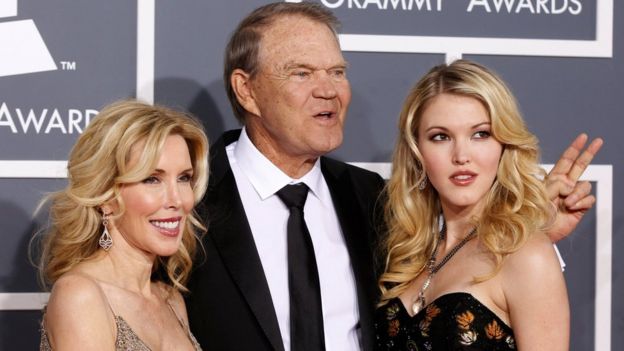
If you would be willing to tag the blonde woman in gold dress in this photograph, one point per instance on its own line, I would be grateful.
(123, 233)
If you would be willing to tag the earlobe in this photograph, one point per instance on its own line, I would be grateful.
(105, 210)
(110, 207)
(242, 87)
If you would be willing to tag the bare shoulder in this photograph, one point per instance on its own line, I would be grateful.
(74, 291)
(535, 256)
(77, 312)
(532, 278)
(536, 297)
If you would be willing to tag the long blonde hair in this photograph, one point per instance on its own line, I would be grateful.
(97, 170)
(515, 206)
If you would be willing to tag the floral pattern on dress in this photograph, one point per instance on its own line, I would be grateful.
(494, 331)
(430, 312)
(467, 336)
(455, 321)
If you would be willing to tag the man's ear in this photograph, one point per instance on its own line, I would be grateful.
(242, 87)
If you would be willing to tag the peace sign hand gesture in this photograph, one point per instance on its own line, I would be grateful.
(571, 198)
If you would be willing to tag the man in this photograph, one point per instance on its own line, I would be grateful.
(286, 80)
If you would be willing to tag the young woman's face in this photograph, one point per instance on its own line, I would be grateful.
(459, 153)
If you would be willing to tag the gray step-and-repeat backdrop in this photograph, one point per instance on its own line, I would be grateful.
(62, 60)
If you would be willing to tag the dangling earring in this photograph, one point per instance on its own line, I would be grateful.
(106, 241)
(423, 184)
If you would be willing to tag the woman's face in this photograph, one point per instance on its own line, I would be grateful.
(459, 153)
(157, 207)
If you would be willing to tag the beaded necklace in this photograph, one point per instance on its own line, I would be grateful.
(433, 268)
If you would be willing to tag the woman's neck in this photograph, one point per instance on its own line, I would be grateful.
(131, 271)
(459, 223)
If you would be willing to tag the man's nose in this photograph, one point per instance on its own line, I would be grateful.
(325, 87)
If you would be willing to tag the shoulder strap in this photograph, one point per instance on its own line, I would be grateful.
(184, 326)
(107, 301)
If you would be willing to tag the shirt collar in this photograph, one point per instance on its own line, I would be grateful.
(265, 177)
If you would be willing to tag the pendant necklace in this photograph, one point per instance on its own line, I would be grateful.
(433, 268)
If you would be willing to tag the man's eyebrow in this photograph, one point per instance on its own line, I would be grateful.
(294, 65)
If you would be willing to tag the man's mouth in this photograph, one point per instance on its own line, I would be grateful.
(325, 115)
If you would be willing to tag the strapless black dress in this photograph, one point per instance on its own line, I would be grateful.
(455, 321)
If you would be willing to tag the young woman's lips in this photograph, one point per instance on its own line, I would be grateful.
(463, 178)
(167, 226)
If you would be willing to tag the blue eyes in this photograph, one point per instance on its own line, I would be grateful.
(150, 180)
(184, 178)
(439, 137)
(482, 134)
(333, 73)
(302, 74)
(338, 73)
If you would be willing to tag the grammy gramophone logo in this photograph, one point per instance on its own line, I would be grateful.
(22, 49)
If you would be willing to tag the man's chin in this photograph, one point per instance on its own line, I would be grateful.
(330, 145)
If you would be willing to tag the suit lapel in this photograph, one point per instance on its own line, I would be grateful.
(352, 222)
(231, 234)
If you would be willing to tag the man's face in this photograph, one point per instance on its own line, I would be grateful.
(301, 91)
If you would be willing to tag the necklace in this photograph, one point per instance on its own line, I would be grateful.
(433, 268)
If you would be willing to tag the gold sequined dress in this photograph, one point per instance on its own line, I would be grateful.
(126, 340)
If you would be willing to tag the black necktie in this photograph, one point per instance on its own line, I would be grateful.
(306, 313)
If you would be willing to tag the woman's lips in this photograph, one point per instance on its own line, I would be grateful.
(168, 227)
(463, 178)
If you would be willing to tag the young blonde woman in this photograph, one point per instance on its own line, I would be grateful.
(123, 233)
(468, 264)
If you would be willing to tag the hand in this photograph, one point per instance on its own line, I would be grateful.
(571, 198)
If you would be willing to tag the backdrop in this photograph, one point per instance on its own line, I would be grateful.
(62, 60)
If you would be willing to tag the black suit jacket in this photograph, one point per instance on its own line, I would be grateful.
(230, 306)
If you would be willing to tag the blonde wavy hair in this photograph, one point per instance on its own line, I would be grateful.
(515, 206)
(98, 169)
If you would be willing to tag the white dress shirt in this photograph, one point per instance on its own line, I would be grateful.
(258, 181)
